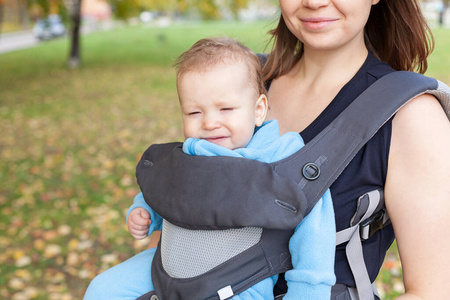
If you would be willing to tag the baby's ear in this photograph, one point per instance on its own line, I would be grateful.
(261, 107)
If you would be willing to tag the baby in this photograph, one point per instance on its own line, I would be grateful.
(223, 104)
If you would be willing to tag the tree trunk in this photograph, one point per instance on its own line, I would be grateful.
(442, 12)
(1, 15)
(23, 14)
(74, 56)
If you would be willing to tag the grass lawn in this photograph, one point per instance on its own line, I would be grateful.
(70, 141)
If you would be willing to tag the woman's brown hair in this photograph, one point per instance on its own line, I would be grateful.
(396, 32)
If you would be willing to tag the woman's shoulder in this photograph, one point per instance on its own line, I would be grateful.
(419, 122)
(420, 141)
(421, 114)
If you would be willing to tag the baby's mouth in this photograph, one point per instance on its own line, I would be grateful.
(215, 139)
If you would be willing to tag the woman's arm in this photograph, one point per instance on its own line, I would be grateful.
(418, 197)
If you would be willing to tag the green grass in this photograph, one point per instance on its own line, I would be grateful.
(70, 140)
(439, 61)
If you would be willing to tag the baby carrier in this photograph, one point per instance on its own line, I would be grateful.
(245, 242)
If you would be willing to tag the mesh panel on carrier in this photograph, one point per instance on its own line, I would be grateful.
(188, 253)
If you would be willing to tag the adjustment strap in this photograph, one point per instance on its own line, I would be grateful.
(354, 250)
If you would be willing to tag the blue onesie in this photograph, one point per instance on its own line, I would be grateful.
(312, 246)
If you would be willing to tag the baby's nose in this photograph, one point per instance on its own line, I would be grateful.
(210, 122)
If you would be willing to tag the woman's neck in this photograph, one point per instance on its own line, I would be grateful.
(328, 68)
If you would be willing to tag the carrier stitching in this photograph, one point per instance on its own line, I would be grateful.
(253, 280)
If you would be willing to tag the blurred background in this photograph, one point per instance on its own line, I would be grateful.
(85, 87)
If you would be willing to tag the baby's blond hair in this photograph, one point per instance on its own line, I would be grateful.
(210, 52)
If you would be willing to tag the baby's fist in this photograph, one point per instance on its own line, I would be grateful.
(138, 222)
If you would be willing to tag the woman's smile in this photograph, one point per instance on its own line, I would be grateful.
(317, 23)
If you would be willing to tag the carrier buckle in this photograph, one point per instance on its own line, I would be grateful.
(311, 171)
(368, 227)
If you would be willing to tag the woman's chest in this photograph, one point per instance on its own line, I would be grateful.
(296, 106)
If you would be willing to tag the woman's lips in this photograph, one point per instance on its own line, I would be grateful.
(317, 23)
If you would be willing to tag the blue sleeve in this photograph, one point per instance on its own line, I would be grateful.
(312, 248)
(156, 219)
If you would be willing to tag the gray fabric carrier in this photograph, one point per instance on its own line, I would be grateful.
(227, 221)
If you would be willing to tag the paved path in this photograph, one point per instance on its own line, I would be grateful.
(12, 41)
(17, 40)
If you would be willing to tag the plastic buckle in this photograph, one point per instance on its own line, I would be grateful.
(368, 227)
(311, 171)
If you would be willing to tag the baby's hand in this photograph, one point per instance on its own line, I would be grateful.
(138, 222)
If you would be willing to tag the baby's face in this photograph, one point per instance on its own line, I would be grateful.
(220, 105)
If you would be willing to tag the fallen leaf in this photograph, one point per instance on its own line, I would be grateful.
(52, 250)
(23, 261)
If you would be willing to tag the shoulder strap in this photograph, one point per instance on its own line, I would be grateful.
(324, 158)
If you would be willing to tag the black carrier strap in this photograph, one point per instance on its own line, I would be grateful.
(288, 189)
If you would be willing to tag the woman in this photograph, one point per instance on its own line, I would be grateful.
(326, 53)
